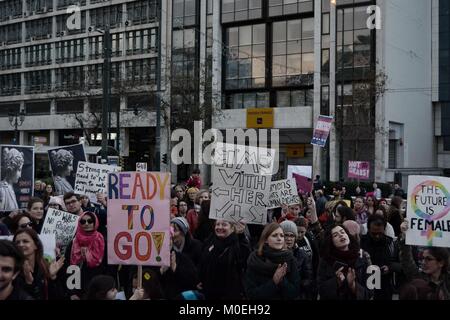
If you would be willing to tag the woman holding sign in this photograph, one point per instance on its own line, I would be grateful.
(38, 278)
(87, 251)
(434, 267)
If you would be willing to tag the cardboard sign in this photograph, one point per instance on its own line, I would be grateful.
(240, 193)
(321, 131)
(428, 211)
(283, 192)
(358, 170)
(62, 224)
(17, 176)
(91, 178)
(139, 218)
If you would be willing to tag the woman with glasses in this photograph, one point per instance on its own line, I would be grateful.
(272, 272)
(304, 262)
(87, 251)
(38, 278)
(435, 263)
(22, 221)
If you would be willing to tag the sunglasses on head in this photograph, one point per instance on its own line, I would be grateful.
(84, 221)
(26, 225)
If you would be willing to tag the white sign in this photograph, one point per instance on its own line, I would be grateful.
(141, 166)
(305, 171)
(239, 193)
(428, 211)
(92, 178)
(62, 224)
(283, 192)
(235, 155)
(48, 244)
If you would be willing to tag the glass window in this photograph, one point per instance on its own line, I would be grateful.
(285, 7)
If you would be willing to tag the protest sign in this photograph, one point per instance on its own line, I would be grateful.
(239, 194)
(304, 184)
(62, 224)
(17, 176)
(358, 170)
(48, 244)
(321, 131)
(63, 160)
(428, 211)
(283, 192)
(91, 178)
(139, 218)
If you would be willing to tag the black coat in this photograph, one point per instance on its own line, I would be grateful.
(184, 278)
(41, 288)
(328, 285)
(259, 283)
(382, 253)
(305, 271)
(222, 266)
(193, 249)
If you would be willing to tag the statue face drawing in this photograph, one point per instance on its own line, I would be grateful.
(68, 170)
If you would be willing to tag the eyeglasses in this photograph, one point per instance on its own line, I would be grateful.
(71, 202)
(84, 221)
(289, 235)
(26, 225)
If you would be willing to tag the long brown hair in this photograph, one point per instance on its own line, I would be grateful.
(39, 255)
(268, 230)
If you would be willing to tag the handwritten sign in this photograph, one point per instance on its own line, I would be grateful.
(91, 178)
(358, 170)
(139, 218)
(62, 224)
(240, 193)
(283, 192)
(428, 211)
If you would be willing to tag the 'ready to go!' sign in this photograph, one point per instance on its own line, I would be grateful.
(139, 218)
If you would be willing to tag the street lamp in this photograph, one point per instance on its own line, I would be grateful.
(16, 119)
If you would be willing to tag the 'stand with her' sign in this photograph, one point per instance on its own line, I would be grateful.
(138, 218)
(428, 211)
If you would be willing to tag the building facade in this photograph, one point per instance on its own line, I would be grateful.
(300, 58)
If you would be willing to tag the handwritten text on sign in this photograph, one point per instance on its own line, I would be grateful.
(62, 224)
(91, 178)
(428, 211)
(138, 218)
(358, 169)
(283, 192)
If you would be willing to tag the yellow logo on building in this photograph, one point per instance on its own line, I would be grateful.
(260, 118)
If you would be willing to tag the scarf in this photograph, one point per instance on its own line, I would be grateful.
(348, 257)
(94, 241)
(268, 263)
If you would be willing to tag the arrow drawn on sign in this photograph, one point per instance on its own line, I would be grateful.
(236, 211)
(256, 215)
(221, 192)
(224, 209)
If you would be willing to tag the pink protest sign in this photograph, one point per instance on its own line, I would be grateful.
(304, 184)
(358, 170)
(139, 218)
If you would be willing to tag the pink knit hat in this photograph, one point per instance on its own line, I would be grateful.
(352, 226)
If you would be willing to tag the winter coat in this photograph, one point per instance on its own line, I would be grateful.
(305, 270)
(193, 249)
(328, 284)
(259, 282)
(222, 266)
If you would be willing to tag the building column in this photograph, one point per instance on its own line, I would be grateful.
(217, 61)
(317, 151)
(54, 141)
(334, 143)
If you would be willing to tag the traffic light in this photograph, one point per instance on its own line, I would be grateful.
(164, 158)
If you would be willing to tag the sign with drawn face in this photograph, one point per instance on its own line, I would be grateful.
(428, 208)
